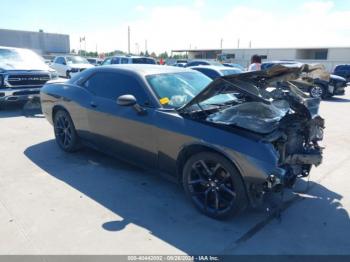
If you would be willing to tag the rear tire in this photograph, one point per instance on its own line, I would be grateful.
(65, 133)
(68, 75)
(214, 185)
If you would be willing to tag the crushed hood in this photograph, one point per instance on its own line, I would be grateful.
(249, 83)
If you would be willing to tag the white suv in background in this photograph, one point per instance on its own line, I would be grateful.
(67, 66)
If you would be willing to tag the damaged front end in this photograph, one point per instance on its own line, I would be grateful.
(268, 104)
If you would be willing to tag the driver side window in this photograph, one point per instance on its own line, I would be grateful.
(110, 85)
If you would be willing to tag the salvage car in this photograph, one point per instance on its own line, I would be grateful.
(22, 74)
(317, 88)
(229, 142)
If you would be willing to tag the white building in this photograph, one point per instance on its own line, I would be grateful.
(329, 56)
(41, 42)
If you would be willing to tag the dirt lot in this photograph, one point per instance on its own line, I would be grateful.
(88, 203)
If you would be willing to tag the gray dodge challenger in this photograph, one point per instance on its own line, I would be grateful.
(229, 142)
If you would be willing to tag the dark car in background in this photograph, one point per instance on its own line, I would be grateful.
(320, 88)
(129, 60)
(214, 72)
(343, 71)
(198, 62)
(22, 74)
(225, 141)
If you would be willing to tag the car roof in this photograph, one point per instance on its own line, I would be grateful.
(145, 69)
(132, 56)
(214, 67)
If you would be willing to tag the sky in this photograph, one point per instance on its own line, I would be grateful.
(184, 24)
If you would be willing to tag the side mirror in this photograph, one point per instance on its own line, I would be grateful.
(130, 100)
(126, 100)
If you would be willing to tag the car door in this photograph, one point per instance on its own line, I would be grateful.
(117, 129)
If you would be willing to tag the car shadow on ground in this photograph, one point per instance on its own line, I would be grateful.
(337, 99)
(29, 109)
(151, 202)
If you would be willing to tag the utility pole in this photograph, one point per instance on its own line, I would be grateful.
(238, 43)
(129, 40)
(145, 46)
(221, 41)
(85, 44)
(137, 48)
(250, 44)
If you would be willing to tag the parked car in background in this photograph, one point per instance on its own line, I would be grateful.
(227, 141)
(343, 71)
(129, 60)
(234, 65)
(68, 66)
(94, 61)
(198, 62)
(179, 64)
(320, 88)
(214, 72)
(22, 74)
(173, 61)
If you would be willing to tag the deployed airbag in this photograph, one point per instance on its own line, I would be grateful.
(255, 116)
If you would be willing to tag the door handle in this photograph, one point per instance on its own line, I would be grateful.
(93, 104)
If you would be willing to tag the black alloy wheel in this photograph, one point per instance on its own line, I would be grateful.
(65, 133)
(214, 185)
(317, 91)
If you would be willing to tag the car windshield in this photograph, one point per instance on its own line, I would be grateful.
(142, 60)
(76, 60)
(20, 56)
(227, 72)
(176, 89)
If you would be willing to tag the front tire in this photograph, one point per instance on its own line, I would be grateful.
(214, 185)
(65, 133)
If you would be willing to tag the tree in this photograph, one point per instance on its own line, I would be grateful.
(146, 53)
(153, 54)
(142, 54)
(164, 55)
